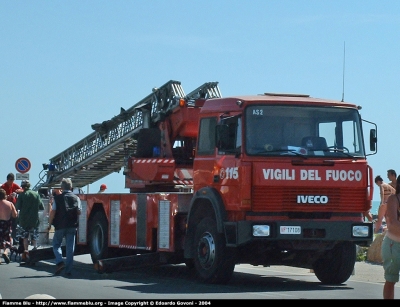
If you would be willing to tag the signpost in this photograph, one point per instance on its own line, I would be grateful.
(22, 176)
(22, 165)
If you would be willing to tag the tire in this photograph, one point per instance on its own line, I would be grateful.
(98, 238)
(212, 261)
(337, 265)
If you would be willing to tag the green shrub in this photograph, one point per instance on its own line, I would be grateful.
(361, 253)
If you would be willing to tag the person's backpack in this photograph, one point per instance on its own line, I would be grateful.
(71, 207)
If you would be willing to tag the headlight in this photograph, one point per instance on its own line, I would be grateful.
(361, 231)
(261, 230)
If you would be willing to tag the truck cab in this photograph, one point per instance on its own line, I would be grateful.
(285, 180)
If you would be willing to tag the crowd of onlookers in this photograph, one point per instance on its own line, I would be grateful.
(8, 216)
(19, 206)
(19, 209)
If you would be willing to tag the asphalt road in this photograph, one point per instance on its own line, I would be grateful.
(174, 282)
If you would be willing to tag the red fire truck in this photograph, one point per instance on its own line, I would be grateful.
(269, 179)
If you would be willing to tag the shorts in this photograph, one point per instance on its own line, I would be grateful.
(391, 259)
(33, 232)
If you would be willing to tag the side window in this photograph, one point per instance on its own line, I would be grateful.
(342, 135)
(229, 135)
(206, 144)
(351, 137)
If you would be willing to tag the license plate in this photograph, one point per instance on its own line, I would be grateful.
(290, 230)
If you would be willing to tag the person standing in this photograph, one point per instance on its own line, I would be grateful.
(103, 188)
(368, 215)
(12, 189)
(54, 192)
(29, 203)
(385, 191)
(390, 248)
(391, 174)
(7, 212)
(64, 216)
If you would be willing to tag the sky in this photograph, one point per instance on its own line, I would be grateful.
(65, 65)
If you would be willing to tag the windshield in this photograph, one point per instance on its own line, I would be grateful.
(305, 131)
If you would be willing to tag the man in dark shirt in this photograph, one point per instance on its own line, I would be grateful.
(64, 216)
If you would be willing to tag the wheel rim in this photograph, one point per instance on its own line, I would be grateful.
(206, 251)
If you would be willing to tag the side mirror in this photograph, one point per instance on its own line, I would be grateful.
(373, 139)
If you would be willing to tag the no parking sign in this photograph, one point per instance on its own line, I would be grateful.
(23, 165)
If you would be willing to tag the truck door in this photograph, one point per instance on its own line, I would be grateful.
(217, 163)
(231, 179)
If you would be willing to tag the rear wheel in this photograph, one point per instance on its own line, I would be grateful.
(98, 238)
(212, 261)
(337, 265)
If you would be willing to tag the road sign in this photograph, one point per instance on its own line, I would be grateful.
(22, 176)
(23, 165)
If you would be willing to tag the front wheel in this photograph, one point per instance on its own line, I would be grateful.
(212, 261)
(336, 265)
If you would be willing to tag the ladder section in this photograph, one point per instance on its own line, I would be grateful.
(107, 149)
(206, 91)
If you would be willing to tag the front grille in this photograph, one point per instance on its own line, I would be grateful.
(284, 199)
